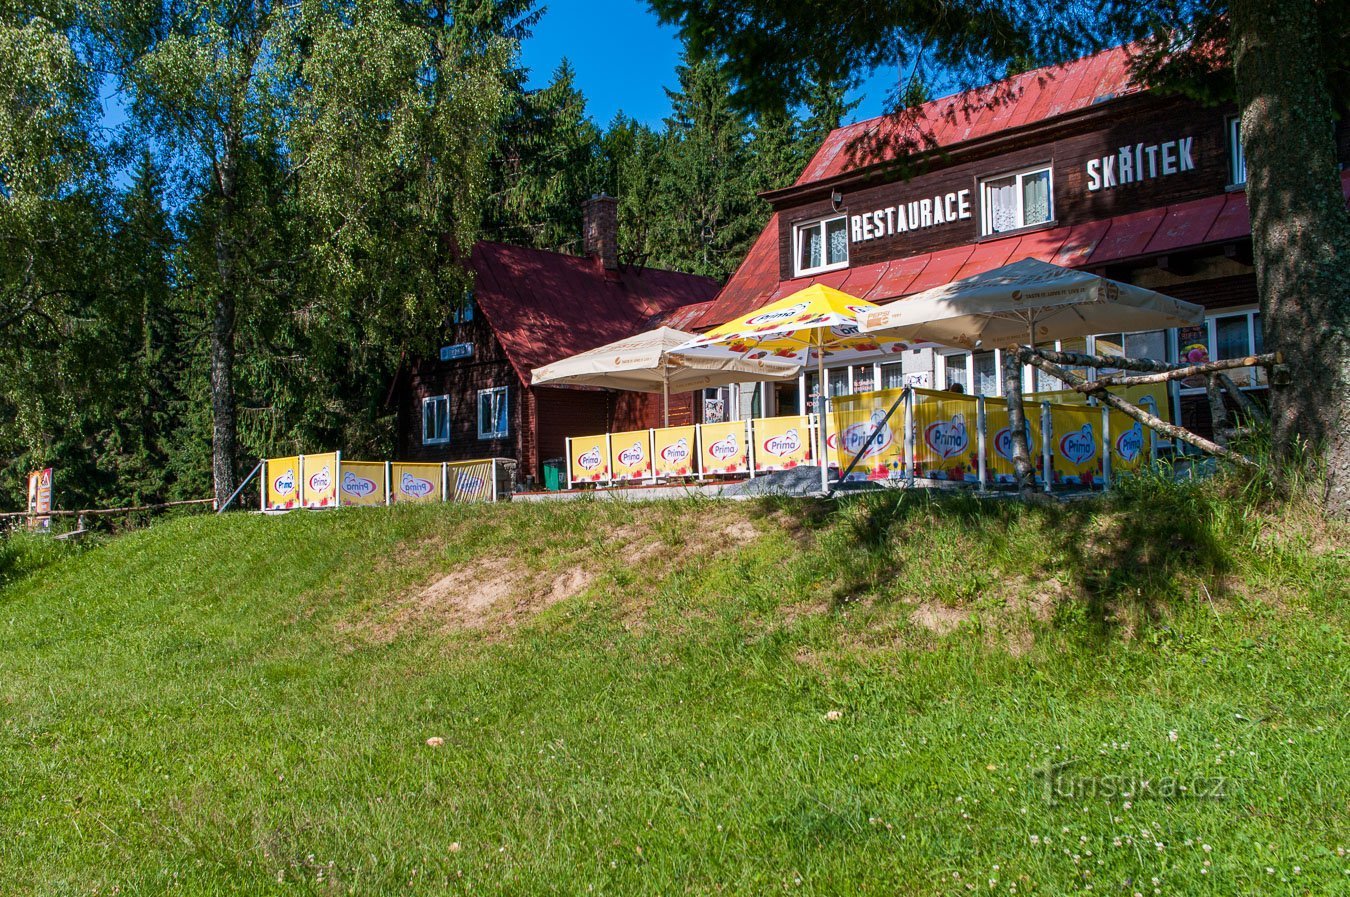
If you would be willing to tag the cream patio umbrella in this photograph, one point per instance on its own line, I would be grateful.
(651, 362)
(815, 322)
(1028, 301)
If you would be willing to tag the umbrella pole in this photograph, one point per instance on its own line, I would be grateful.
(823, 408)
(665, 395)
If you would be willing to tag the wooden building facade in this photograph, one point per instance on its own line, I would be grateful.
(531, 307)
(1073, 164)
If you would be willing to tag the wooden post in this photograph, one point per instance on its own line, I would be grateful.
(1218, 413)
(1106, 449)
(1024, 476)
(1037, 358)
(981, 431)
(909, 433)
(1244, 402)
(1047, 446)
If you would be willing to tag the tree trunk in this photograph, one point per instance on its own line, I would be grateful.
(222, 396)
(1024, 472)
(1300, 229)
(223, 425)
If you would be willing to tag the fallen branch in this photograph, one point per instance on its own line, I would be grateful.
(1039, 358)
(1177, 372)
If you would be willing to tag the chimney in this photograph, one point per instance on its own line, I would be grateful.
(600, 229)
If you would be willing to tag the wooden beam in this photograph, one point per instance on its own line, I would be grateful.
(94, 512)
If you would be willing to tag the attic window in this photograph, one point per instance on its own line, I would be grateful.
(820, 246)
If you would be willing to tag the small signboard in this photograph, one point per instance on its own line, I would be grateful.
(457, 352)
(40, 499)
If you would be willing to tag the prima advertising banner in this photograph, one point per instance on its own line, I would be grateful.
(40, 498)
(589, 459)
(673, 452)
(283, 483)
(1135, 395)
(999, 440)
(723, 448)
(415, 483)
(470, 480)
(946, 436)
(362, 483)
(853, 419)
(320, 488)
(1075, 441)
(1129, 444)
(781, 442)
(630, 455)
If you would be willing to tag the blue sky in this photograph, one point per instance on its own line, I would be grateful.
(624, 58)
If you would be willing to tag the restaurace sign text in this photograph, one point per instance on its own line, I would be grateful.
(905, 217)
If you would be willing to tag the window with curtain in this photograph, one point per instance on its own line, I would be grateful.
(954, 371)
(820, 245)
(892, 375)
(864, 378)
(838, 380)
(1013, 201)
(986, 374)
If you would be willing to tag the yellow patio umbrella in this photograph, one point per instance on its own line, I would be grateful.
(816, 322)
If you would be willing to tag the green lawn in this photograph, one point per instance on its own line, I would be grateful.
(684, 698)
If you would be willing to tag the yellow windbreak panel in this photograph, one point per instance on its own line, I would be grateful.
(673, 452)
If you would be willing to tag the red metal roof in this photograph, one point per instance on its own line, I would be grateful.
(544, 306)
(1023, 99)
(1199, 222)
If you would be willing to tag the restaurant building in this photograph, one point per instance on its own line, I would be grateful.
(1073, 164)
(528, 308)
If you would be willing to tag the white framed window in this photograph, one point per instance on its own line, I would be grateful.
(435, 420)
(1237, 159)
(820, 245)
(1013, 201)
(494, 413)
(716, 404)
(956, 372)
(1237, 335)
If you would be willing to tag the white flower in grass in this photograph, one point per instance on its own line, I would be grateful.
(1172, 735)
(834, 715)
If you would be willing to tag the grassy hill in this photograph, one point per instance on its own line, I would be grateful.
(774, 697)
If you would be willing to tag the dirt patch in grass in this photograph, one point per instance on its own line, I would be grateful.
(939, 618)
(493, 595)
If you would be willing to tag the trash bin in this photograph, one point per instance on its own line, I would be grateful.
(555, 474)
